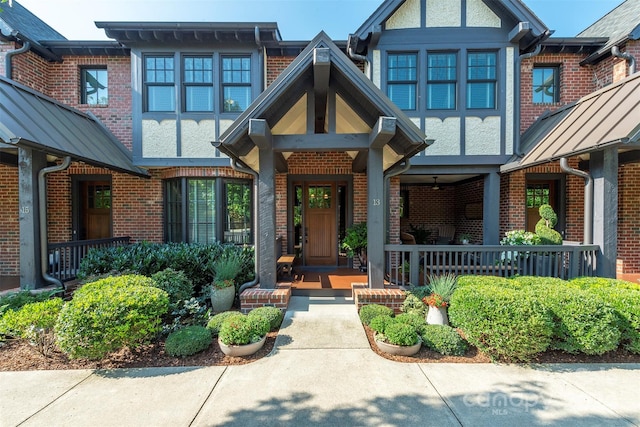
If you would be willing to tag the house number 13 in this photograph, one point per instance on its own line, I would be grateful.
(376, 202)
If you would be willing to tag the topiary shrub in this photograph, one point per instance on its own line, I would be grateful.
(241, 330)
(545, 226)
(188, 341)
(107, 315)
(504, 323)
(444, 339)
(369, 311)
(273, 315)
(175, 283)
(216, 321)
(379, 323)
(400, 334)
(583, 321)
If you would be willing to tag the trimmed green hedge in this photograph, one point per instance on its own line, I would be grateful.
(188, 341)
(273, 315)
(26, 321)
(444, 339)
(369, 311)
(504, 323)
(109, 314)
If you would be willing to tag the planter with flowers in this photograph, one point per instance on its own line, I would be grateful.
(223, 290)
(442, 288)
(243, 335)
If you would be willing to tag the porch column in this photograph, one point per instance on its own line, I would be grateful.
(30, 162)
(382, 132)
(491, 209)
(604, 170)
(260, 133)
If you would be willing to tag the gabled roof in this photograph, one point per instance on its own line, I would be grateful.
(30, 119)
(18, 23)
(349, 83)
(619, 25)
(516, 9)
(608, 117)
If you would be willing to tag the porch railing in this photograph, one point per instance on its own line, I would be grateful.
(64, 258)
(411, 264)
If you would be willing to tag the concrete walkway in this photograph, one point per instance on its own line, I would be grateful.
(323, 373)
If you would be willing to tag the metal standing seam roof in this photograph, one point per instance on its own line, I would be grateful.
(30, 119)
(610, 116)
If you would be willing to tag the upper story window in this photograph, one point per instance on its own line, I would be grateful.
(236, 83)
(95, 86)
(402, 79)
(546, 82)
(159, 81)
(481, 79)
(198, 83)
(441, 81)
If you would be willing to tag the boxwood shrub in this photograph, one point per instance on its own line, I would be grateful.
(504, 323)
(400, 334)
(369, 311)
(30, 318)
(380, 322)
(240, 330)
(109, 314)
(472, 280)
(273, 315)
(216, 321)
(626, 305)
(188, 341)
(444, 339)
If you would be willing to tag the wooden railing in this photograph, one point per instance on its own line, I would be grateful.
(412, 264)
(64, 258)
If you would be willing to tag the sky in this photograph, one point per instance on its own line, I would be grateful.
(297, 19)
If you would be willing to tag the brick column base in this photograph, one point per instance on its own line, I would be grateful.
(392, 298)
(255, 297)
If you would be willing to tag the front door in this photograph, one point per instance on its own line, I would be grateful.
(95, 210)
(539, 193)
(320, 235)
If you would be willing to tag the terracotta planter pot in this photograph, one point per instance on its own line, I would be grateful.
(437, 316)
(222, 298)
(241, 350)
(399, 350)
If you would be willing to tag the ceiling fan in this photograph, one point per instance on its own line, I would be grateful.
(435, 185)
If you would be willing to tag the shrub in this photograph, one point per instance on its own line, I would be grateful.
(471, 280)
(583, 321)
(419, 291)
(379, 323)
(109, 314)
(241, 330)
(413, 305)
(191, 312)
(526, 281)
(626, 304)
(216, 321)
(187, 341)
(504, 323)
(413, 319)
(545, 226)
(400, 334)
(603, 282)
(15, 300)
(368, 312)
(175, 283)
(273, 315)
(444, 339)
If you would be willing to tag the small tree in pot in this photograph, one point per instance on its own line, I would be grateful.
(355, 243)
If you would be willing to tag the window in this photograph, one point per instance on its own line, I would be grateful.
(441, 81)
(402, 80)
(236, 83)
(159, 79)
(481, 79)
(546, 81)
(198, 83)
(95, 87)
(208, 210)
(538, 195)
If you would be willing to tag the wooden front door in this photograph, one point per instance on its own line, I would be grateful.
(320, 235)
(539, 193)
(95, 210)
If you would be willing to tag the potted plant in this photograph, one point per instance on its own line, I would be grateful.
(355, 243)
(223, 290)
(442, 288)
(394, 337)
(243, 335)
(465, 238)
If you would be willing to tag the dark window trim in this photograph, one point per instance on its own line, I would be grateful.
(184, 85)
(224, 84)
(494, 81)
(146, 84)
(455, 81)
(83, 83)
(415, 82)
(556, 82)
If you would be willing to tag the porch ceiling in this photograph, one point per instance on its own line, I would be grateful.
(29, 119)
(322, 101)
(608, 117)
